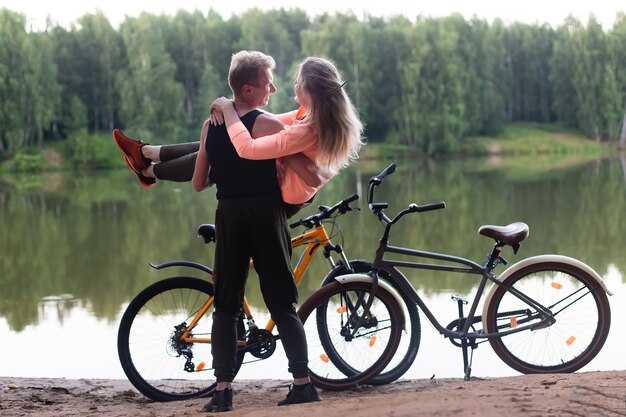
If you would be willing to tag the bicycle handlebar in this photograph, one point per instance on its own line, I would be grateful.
(377, 208)
(427, 207)
(325, 212)
(379, 178)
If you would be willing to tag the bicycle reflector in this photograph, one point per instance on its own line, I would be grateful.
(372, 341)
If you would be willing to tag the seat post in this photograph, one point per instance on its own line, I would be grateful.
(494, 257)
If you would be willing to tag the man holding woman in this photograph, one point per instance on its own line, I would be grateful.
(251, 217)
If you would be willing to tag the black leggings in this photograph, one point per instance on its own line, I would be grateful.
(254, 228)
(178, 162)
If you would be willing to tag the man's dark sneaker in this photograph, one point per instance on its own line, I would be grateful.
(299, 394)
(221, 401)
(146, 182)
(131, 149)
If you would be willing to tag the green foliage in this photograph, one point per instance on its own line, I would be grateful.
(91, 150)
(425, 84)
(27, 160)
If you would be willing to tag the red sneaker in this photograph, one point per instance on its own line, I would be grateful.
(131, 149)
(146, 182)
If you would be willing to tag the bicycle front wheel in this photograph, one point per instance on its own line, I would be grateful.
(345, 348)
(577, 302)
(155, 359)
(410, 341)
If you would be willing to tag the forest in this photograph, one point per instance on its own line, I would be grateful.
(427, 83)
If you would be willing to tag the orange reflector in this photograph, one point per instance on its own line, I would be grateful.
(570, 340)
(324, 358)
(556, 285)
(513, 322)
(200, 366)
(372, 341)
(342, 309)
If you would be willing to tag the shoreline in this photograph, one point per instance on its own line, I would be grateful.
(587, 393)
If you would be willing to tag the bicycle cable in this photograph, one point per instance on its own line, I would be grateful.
(335, 229)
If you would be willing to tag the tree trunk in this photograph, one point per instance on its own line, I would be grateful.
(622, 159)
(622, 133)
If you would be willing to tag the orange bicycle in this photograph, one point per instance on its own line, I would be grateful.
(164, 340)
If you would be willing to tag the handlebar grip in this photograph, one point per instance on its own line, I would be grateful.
(294, 225)
(428, 207)
(351, 199)
(379, 178)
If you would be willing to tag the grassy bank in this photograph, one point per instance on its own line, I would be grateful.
(516, 139)
(80, 150)
(519, 139)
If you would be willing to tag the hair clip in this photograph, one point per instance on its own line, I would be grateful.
(339, 87)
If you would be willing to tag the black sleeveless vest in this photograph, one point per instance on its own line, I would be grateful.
(236, 177)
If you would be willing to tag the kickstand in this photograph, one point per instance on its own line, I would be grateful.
(467, 362)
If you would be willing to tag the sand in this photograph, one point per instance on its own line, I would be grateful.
(580, 394)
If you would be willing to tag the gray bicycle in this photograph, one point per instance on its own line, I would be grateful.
(544, 314)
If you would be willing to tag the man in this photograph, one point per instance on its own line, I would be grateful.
(250, 223)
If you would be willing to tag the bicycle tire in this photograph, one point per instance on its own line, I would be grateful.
(579, 305)
(381, 342)
(146, 341)
(411, 337)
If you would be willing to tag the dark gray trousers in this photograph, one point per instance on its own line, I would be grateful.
(254, 228)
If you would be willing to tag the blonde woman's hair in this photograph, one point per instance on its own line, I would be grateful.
(244, 69)
(331, 112)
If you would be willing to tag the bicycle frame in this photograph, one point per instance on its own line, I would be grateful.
(313, 239)
(469, 267)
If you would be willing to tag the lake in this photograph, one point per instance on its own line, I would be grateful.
(76, 246)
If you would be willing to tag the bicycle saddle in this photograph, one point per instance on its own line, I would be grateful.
(509, 235)
(207, 232)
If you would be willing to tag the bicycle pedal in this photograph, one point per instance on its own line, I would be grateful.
(458, 297)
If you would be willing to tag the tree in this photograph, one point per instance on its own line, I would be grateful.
(152, 102)
(594, 82)
(617, 40)
(562, 63)
(435, 91)
(41, 81)
(265, 32)
(71, 113)
(100, 51)
(13, 90)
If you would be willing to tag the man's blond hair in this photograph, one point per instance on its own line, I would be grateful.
(244, 69)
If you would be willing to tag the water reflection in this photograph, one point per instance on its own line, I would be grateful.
(86, 239)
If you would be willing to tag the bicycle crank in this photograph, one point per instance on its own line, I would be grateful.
(457, 326)
(261, 343)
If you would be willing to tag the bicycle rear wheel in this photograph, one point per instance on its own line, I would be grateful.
(343, 350)
(156, 361)
(579, 305)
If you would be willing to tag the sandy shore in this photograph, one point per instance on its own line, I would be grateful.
(581, 394)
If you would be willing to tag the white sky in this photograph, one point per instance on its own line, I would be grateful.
(527, 11)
